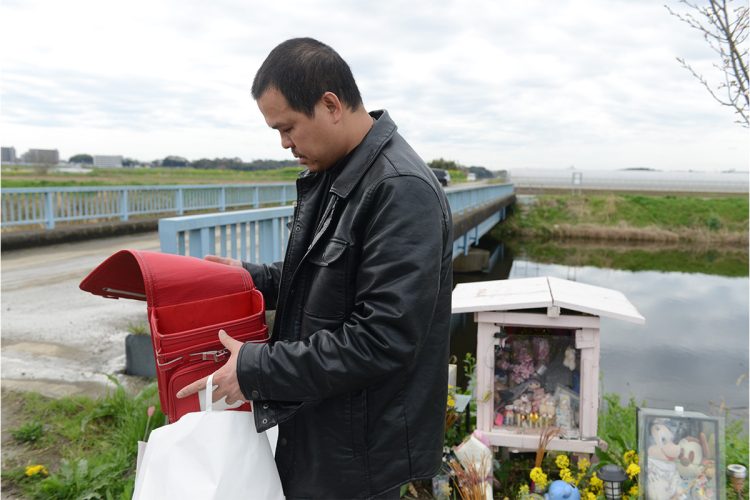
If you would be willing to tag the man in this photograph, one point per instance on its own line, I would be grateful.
(355, 375)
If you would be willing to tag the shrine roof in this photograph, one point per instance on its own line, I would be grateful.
(545, 291)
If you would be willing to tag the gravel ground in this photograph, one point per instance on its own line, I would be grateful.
(57, 339)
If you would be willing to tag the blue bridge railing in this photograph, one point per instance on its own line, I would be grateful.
(260, 235)
(28, 206)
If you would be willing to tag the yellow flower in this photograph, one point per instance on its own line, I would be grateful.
(630, 457)
(451, 401)
(524, 489)
(595, 482)
(590, 496)
(562, 462)
(581, 475)
(633, 492)
(566, 476)
(633, 470)
(583, 464)
(33, 470)
(539, 477)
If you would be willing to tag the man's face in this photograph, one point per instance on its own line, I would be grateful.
(312, 140)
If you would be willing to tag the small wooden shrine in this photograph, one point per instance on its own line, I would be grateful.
(538, 358)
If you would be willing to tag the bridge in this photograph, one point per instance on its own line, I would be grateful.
(79, 339)
(49, 206)
(260, 235)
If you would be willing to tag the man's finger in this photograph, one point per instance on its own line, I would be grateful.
(223, 260)
(193, 388)
(229, 342)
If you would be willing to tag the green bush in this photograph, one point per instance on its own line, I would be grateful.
(736, 443)
(617, 427)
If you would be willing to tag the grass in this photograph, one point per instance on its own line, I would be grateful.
(28, 177)
(632, 217)
(88, 446)
(617, 427)
(28, 432)
(719, 261)
(18, 177)
(138, 329)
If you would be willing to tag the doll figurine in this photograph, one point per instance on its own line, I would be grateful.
(570, 359)
(508, 415)
(663, 454)
(499, 420)
(547, 410)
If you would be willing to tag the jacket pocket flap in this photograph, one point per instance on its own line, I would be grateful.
(332, 251)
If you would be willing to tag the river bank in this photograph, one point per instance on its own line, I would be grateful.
(630, 218)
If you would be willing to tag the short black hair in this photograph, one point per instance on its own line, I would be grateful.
(303, 69)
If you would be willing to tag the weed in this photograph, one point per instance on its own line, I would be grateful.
(736, 443)
(138, 329)
(97, 440)
(617, 427)
(713, 222)
(29, 432)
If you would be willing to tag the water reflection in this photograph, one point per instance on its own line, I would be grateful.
(691, 351)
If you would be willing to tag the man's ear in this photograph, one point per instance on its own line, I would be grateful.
(333, 106)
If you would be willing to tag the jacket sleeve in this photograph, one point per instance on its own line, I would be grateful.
(266, 278)
(397, 285)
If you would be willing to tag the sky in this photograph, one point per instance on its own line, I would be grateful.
(592, 84)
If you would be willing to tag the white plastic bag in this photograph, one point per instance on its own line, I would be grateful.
(208, 455)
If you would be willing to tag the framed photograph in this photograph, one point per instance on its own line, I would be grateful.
(680, 455)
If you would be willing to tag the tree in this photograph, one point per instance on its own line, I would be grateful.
(724, 26)
(445, 164)
(174, 161)
(82, 158)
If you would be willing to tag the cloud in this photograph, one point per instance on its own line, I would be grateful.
(70, 98)
(535, 84)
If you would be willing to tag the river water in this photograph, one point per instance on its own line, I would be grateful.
(693, 349)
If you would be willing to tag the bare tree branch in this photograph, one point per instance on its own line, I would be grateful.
(725, 29)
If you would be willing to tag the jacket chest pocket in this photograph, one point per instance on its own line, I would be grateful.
(328, 285)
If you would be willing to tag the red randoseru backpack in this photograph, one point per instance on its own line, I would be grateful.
(189, 300)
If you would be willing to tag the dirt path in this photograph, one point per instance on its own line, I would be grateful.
(56, 339)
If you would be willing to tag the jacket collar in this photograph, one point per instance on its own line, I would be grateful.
(364, 155)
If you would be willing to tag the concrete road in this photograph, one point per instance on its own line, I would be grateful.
(57, 339)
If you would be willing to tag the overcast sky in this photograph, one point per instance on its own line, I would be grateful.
(589, 83)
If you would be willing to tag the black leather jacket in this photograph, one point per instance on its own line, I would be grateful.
(355, 374)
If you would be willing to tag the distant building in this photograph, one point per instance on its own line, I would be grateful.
(107, 161)
(8, 155)
(46, 156)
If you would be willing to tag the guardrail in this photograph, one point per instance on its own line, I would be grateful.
(632, 180)
(26, 206)
(260, 235)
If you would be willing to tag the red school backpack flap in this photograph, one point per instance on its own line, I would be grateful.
(189, 301)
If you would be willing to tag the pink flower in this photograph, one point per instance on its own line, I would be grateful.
(150, 413)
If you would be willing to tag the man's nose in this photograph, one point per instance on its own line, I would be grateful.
(286, 141)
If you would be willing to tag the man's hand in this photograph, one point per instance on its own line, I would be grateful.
(225, 377)
(223, 260)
